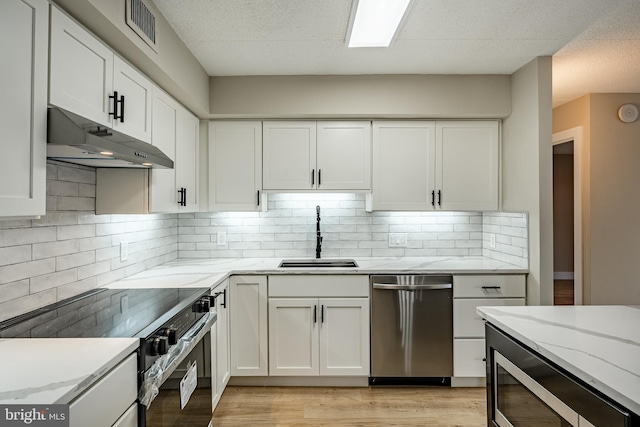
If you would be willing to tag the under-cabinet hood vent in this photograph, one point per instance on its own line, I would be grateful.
(74, 139)
(142, 21)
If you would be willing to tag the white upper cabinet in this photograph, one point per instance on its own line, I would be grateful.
(134, 93)
(163, 196)
(344, 155)
(186, 161)
(309, 155)
(289, 155)
(23, 112)
(235, 165)
(403, 165)
(175, 133)
(468, 165)
(88, 79)
(443, 165)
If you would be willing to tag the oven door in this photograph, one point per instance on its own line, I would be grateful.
(176, 390)
(521, 401)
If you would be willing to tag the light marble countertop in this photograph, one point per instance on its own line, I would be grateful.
(56, 370)
(598, 344)
(198, 273)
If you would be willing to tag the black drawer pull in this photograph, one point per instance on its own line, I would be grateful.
(491, 287)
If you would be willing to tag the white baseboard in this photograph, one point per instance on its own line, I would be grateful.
(563, 275)
(301, 381)
(468, 382)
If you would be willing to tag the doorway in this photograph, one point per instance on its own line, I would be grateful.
(567, 218)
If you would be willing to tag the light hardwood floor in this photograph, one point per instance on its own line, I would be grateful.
(337, 406)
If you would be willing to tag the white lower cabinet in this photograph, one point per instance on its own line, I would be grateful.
(220, 361)
(129, 418)
(326, 334)
(470, 292)
(108, 401)
(248, 322)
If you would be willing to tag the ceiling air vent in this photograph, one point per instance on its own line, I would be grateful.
(142, 21)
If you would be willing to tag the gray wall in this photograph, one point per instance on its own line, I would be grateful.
(610, 201)
(366, 96)
(527, 170)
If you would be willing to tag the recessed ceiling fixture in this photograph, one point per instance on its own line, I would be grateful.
(376, 22)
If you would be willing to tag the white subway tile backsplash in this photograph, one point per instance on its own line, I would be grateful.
(52, 280)
(52, 249)
(61, 254)
(66, 232)
(25, 270)
(15, 255)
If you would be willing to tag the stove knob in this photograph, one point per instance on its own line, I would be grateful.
(202, 305)
(171, 334)
(160, 346)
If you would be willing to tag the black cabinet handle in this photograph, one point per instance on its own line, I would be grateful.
(433, 198)
(258, 197)
(115, 105)
(224, 297)
(315, 314)
(491, 287)
(183, 196)
(319, 177)
(121, 109)
(313, 177)
(439, 197)
(322, 313)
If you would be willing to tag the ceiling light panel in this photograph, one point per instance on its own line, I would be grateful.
(376, 22)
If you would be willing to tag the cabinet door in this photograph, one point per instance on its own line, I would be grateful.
(215, 380)
(293, 336)
(164, 194)
(136, 106)
(344, 155)
(344, 336)
(289, 151)
(248, 309)
(81, 70)
(469, 358)
(403, 165)
(466, 321)
(235, 166)
(222, 326)
(467, 166)
(23, 112)
(186, 160)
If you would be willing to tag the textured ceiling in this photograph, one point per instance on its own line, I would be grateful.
(595, 39)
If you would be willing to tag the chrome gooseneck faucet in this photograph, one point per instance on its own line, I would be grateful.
(318, 235)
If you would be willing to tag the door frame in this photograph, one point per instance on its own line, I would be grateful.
(576, 135)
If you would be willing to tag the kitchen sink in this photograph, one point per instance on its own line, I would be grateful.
(317, 263)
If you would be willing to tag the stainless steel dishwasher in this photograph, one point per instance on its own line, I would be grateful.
(411, 329)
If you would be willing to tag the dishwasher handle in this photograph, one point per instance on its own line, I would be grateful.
(426, 287)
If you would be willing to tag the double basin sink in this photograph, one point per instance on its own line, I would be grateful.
(317, 263)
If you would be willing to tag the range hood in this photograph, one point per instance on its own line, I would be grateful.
(75, 139)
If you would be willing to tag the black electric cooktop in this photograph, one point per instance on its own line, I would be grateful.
(104, 313)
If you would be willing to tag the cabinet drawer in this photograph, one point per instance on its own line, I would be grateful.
(129, 418)
(468, 358)
(467, 323)
(108, 399)
(489, 286)
(320, 285)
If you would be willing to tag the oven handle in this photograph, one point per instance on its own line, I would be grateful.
(164, 366)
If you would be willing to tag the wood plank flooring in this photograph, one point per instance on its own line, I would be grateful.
(363, 406)
(563, 292)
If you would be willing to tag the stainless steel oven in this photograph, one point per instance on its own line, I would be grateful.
(176, 389)
(526, 390)
(174, 358)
